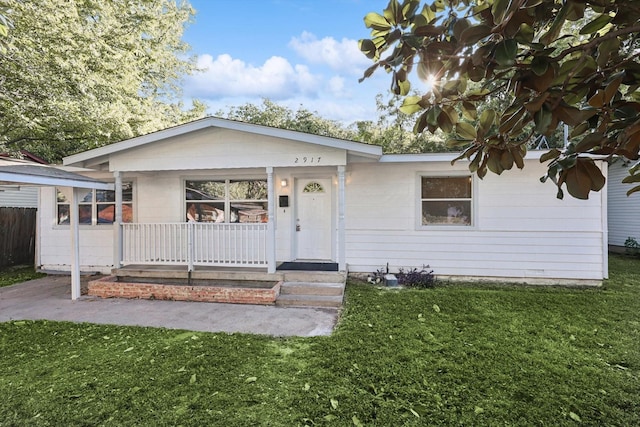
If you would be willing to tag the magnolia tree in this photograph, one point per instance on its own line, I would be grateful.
(79, 74)
(548, 61)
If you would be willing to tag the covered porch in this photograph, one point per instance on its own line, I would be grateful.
(254, 244)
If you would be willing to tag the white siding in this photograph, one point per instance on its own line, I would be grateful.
(521, 230)
(96, 242)
(624, 221)
(225, 149)
(25, 197)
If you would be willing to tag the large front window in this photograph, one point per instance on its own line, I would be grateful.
(95, 206)
(446, 200)
(228, 200)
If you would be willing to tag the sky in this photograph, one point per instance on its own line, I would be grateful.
(298, 53)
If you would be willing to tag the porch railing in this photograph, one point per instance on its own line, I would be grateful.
(238, 244)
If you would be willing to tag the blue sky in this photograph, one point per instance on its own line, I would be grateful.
(294, 52)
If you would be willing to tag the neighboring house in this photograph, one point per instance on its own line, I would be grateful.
(16, 196)
(623, 218)
(216, 192)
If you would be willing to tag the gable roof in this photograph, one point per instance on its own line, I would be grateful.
(100, 155)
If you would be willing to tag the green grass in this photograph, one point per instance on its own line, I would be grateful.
(12, 275)
(453, 355)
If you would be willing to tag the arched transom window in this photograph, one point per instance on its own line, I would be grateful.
(313, 187)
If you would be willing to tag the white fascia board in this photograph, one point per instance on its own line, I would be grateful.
(351, 146)
(51, 181)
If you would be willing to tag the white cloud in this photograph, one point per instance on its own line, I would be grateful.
(225, 76)
(342, 56)
(336, 87)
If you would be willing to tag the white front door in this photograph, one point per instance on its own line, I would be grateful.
(313, 225)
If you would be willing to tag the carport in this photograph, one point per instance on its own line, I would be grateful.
(14, 172)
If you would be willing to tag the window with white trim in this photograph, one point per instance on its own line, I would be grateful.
(446, 200)
(96, 207)
(227, 200)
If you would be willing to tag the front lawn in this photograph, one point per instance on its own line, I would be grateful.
(12, 275)
(453, 355)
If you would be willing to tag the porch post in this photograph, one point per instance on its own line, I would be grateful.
(271, 226)
(117, 221)
(74, 225)
(342, 259)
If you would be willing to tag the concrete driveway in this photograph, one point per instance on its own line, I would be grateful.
(49, 298)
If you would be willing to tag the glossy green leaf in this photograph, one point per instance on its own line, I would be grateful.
(525, 33)
(630, 179)
(539, 65)
(597, 24)
(428, 14)
(543, 119)
(376, 21)
(506, 160)
(494, 161)
(459, 26)
(444, 122)
(633, 190)
(391, 12)
(466, 131)
(552, 154)
(469, 111)
(578, 183)
(410, 105)
(473, 34)
(518, 157)
(509, 121)
(475, 163)
(558, 22)
(367, 47)
(590, 141)
(505, 52)
(499, 10)
(594, 172)
(487, 119)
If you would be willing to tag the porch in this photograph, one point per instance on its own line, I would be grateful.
(239, 285)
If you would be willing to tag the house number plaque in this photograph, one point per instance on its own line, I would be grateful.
(306, 159)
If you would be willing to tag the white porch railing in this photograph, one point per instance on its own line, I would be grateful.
(238, 244)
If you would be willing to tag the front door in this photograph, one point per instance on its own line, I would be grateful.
(313, 219)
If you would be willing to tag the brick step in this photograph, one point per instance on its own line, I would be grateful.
(313, 288)
(309, 301)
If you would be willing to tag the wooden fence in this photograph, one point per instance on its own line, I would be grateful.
(17, 236)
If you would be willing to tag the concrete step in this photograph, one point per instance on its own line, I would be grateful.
(314, 276)
(312, 288)
(309, 301)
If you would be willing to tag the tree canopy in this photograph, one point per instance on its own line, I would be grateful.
(392, 130)
(574, 62)
(274, 115)
(79, 74)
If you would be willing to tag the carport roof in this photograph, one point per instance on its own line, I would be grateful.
(22, 172)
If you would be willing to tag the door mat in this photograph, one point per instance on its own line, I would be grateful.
(308, 266)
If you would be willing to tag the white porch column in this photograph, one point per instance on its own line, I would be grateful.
(271, 225)
(117, 221)
(342, 258)
(74, 225)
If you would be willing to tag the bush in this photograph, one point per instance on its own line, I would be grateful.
(413, 278)
(632, 247)
(417, 278)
